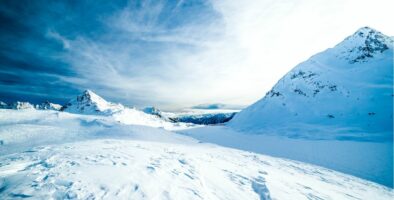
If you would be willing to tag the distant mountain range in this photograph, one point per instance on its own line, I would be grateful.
(92, 104)
(217, 106)
(26, 105)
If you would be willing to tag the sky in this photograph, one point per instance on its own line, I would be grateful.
(169, 54)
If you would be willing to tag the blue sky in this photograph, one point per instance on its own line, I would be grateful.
(171, 54)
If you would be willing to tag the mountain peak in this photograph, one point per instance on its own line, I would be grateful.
(349, 85)
(90, 96)
(91, 103)
(89, 92)
(370, 36)
(364, 44)
(46, 105)
(366, 30)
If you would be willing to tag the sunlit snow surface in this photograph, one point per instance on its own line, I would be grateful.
(50, 154)
(371, 160)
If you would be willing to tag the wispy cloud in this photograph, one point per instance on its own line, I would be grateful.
(177, 53)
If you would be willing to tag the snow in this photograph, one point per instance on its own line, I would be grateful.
(369, 160)
(21, 129)
(92, 157)
(136, 117)
(345, 89)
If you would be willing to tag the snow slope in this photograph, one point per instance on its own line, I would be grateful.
(133, 116)
(345, 92)
(22, 129)
(92, 157)
(370, 160)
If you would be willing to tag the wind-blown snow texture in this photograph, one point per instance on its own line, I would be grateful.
(345, 92)
(51, 154)
(365, 159)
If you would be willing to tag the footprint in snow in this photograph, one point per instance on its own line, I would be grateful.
(150, 169)
(258, 186)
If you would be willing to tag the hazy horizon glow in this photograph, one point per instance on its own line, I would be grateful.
(170, 54)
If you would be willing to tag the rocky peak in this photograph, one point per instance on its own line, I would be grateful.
(48, 106)
(365, 43)
(89, 102)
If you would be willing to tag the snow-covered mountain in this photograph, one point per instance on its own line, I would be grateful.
(205, 119)
(194, 116)
(48, 106)
(347, 88)
(18, 105)
(21, 105)
(200, 116)
(90, 103)
(26, 105)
